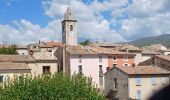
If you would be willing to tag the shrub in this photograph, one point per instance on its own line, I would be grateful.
(55, 87)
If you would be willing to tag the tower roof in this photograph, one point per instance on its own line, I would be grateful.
(69, 15)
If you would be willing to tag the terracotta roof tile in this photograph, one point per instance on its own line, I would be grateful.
(13, 65)
(54, 44)
(16, 58)
(127, 46)
(92, 50)
(166, 57)
(143, 70)
(44, 56)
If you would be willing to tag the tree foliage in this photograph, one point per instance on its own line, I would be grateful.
(55, 87)
(8, 50)
(86, 42)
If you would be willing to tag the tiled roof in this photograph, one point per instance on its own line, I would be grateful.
(149, 51)
(143, 70)
(91, 50)
(105, 44)
(127, 47)
(13, 65)
(44, 56)
(16, 58)
(54, 44)
(22, 47)
(167, 50)
(166, 57)
(100, 50)
(79, 50)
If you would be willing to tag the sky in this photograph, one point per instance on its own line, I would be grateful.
(28, 21)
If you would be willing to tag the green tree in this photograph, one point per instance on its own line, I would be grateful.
(9, 50)
(55, 87)
(86, 42)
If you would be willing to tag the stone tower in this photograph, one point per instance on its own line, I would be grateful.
(69, 28)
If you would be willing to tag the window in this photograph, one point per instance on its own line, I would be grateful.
(164, 80)
(114, 65)
(115, 83)
(71, 27)
(114, 58)
(100, 70)
(100, 75)
(153, 80)
(138, 80)
(1, 78)
(126, 58)
(100, 58)
(80, 58)
(80, 69)
(138, 95)
(126, 64)
(46, 69)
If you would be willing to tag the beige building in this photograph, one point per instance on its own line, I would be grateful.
(45, 62)
(11, 70)
(40, 63)
(137, 82)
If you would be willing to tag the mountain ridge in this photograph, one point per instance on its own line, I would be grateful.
(146, 41)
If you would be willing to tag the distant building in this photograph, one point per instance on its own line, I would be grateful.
(162, 61)
(133, 50)
(165, 52)
(134, 83)
(22, 50)
(91, 61)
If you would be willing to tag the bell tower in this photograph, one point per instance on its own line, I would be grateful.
(69, 27)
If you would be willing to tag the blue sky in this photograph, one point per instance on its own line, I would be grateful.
(26, 21)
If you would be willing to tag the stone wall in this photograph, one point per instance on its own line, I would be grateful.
(122, 84)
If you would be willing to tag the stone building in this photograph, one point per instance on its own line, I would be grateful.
(162, 61)
(11, 70)
(69, 28)
(40, 63)
(134, 83)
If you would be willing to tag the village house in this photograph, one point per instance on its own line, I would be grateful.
(22, 50)
(162, 61)
(10, 71)
(133, 50)
(40, 63)
(91, 61)
(134, 83)
(165, 51)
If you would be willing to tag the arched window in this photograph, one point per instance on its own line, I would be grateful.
(71, 27)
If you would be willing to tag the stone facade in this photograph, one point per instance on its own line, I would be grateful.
(121, 90)
(162, 61)
(69, 28)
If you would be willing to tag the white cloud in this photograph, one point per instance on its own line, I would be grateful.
(146, 18)
(91, 24)
(25, 32)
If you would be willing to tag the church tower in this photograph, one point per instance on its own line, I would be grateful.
(69, 28)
